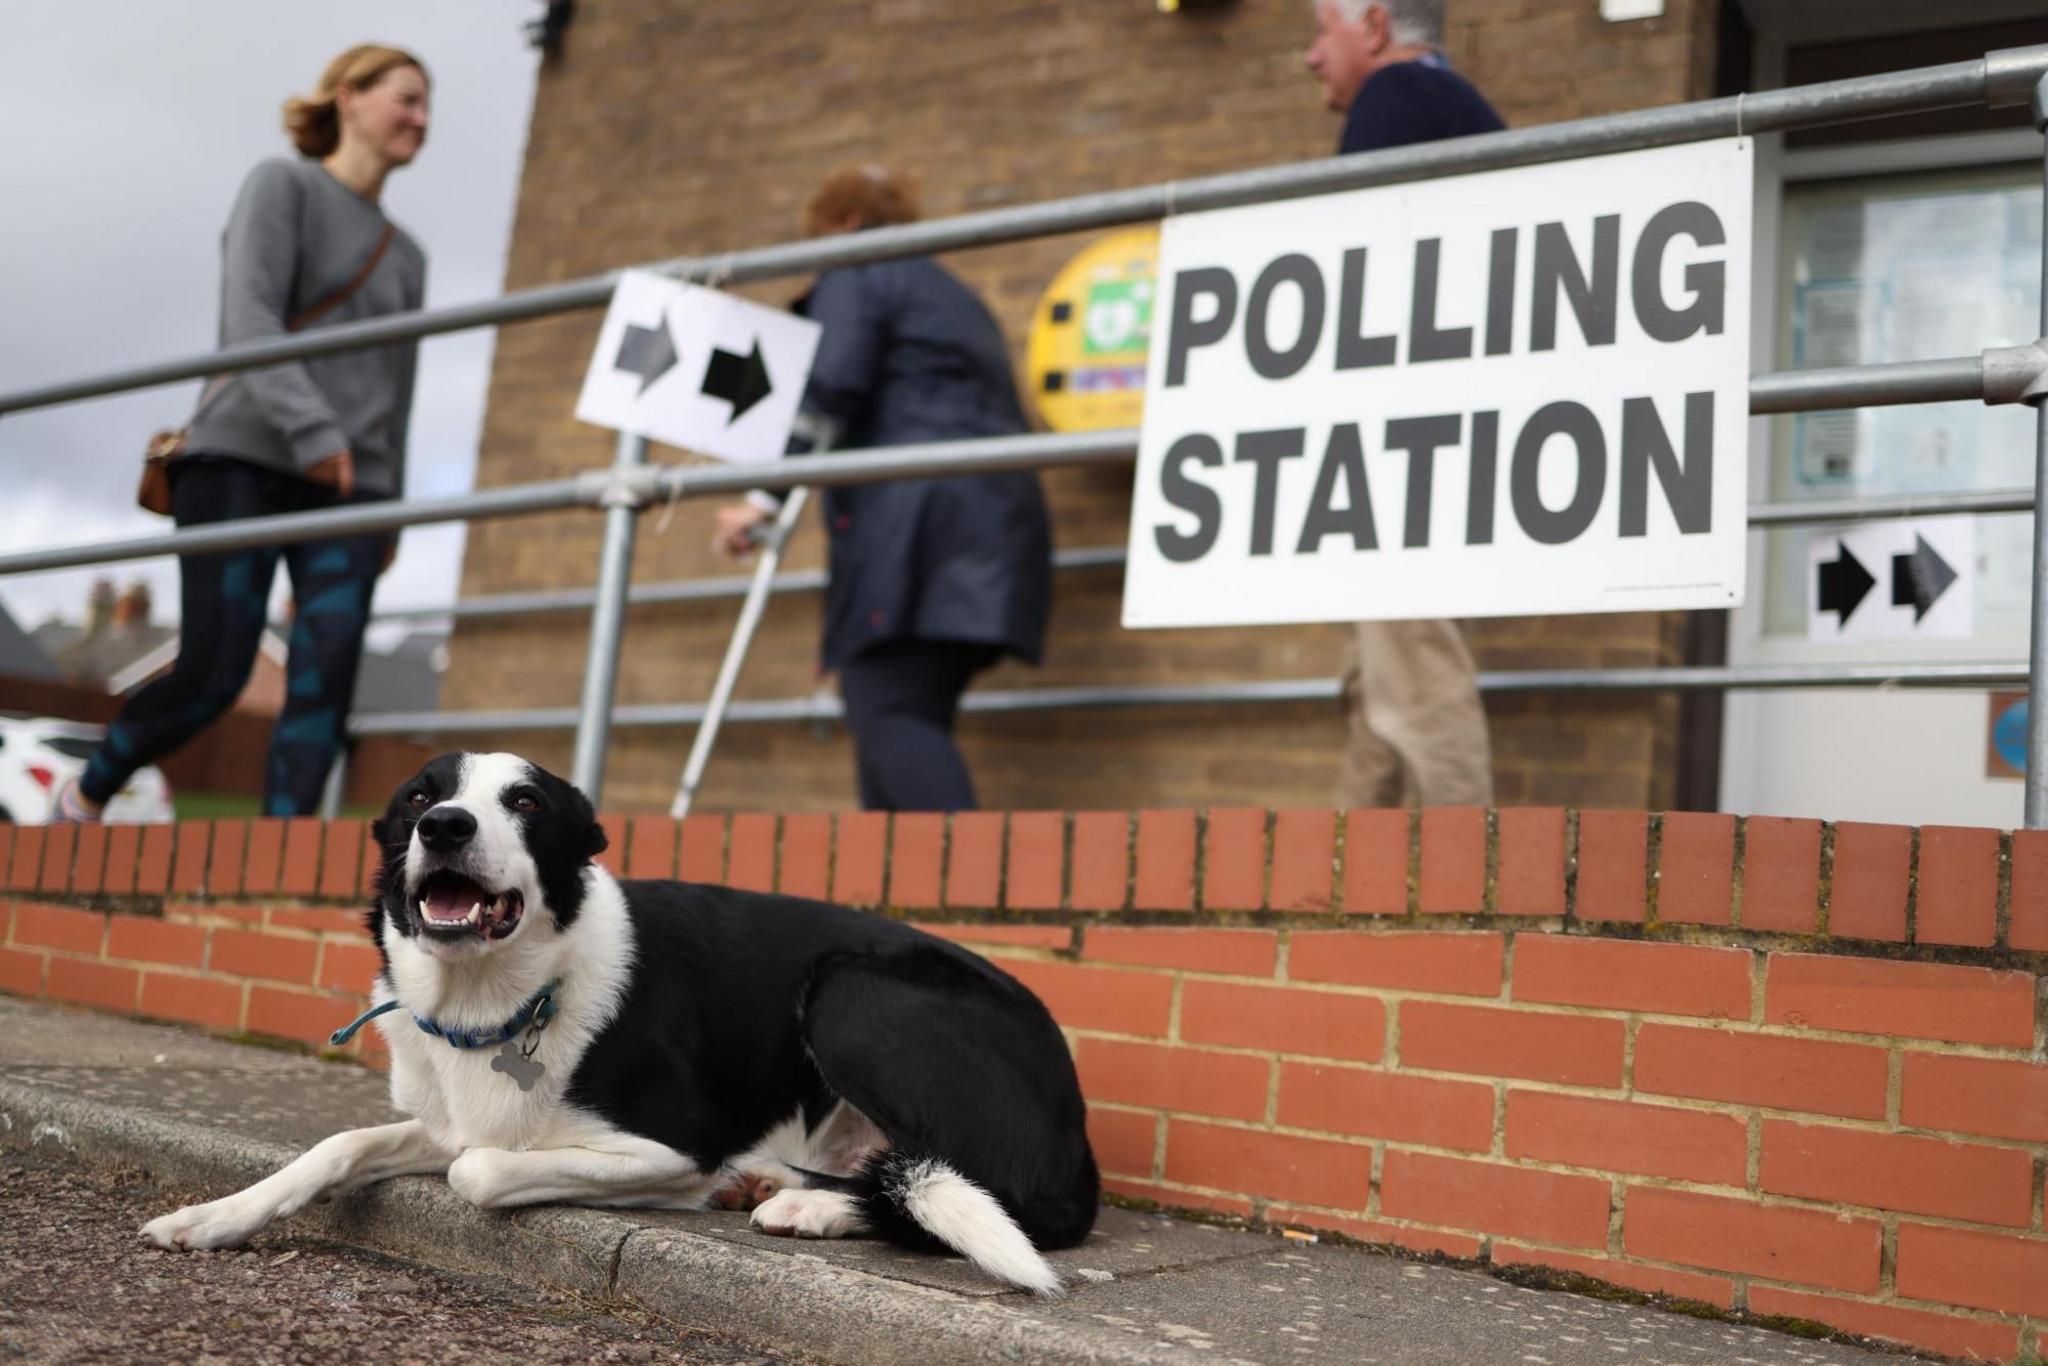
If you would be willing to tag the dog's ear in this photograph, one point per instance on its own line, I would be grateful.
(595, 841)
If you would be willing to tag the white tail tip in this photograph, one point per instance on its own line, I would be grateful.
(969, 1220)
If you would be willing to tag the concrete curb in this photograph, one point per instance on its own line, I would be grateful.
(791, 1302)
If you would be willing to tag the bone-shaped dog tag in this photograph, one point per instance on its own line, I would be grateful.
(517, 1066)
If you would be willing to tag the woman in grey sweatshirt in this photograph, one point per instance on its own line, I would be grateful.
(307, 246)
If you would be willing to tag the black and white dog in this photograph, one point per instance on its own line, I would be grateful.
(560, 1036)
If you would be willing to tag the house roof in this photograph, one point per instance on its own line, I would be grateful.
(99, 657)
(53, 635)
(406, 677)
(20, 655)
(161, 656)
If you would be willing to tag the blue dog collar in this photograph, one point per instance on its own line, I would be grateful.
(535, 1014)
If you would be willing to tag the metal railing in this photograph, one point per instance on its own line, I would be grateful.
(665, 592)
(631, 484)
(824, 707)
(2001, 79)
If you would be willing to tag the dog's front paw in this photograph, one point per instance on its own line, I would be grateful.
(479, 1176)
(220, 1223)
(809, 1214)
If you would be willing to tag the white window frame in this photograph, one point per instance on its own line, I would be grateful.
(1776, 167)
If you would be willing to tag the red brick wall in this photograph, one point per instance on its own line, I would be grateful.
(1777, 1066)
(237, 926)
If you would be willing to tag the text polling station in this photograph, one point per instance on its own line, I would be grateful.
(1517, 392)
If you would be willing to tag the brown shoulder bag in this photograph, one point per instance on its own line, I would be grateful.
(154, 493)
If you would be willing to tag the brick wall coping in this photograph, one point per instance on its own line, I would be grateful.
(1964, 894)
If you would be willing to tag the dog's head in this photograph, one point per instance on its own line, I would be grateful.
(479, 846)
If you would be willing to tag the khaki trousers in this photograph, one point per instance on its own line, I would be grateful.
(1416, 732)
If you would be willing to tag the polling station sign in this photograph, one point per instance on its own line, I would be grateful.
(1519, 392)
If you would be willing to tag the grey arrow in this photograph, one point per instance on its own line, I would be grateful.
(649, 352)
(1919, 579)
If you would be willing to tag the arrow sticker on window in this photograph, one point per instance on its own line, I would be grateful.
(1844, 583)
(1919, 579)
(1896, 580)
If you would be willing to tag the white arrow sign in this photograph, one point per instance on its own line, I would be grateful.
(694, 368)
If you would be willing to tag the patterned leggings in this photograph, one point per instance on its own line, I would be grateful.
(223, 599)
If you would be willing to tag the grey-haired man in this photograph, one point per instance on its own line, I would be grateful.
(1416, 728)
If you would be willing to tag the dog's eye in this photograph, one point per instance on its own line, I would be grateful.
(525, 801)
(416, 799)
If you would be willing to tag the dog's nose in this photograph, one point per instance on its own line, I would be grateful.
(446, 829)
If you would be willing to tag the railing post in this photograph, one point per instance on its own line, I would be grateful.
(607, 624)
(332, 791)
(2037, 640)
(729, 668)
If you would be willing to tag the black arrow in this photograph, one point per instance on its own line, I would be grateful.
(1843, 584)
(649, 352)
(1919, 579)
(741, 381)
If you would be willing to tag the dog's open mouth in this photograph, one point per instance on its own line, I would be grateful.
(452, 904)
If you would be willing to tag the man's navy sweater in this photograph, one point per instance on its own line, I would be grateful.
(1419, 101)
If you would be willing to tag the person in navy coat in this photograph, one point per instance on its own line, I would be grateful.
(932, 580)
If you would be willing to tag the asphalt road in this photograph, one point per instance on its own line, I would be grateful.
(77, 1285)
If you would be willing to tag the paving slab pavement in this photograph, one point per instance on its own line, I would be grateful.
(201, 1111)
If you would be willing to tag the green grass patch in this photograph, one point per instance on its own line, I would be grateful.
(239, 806)
(217, 806)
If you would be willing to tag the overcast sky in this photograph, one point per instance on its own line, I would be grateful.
(126, 127)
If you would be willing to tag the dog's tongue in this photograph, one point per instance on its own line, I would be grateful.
(447, 903)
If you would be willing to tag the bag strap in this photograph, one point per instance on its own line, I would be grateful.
(216, 385)
(340, 296)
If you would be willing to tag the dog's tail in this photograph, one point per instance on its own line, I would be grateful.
(945, 1207)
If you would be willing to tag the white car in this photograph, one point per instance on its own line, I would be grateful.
(39, 754)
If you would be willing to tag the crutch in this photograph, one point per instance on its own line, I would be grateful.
(771, 542)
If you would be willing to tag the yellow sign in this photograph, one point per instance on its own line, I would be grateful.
(1090, 333)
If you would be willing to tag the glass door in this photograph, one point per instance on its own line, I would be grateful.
(1891, 268)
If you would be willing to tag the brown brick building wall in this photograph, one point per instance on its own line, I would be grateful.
(672, 127)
